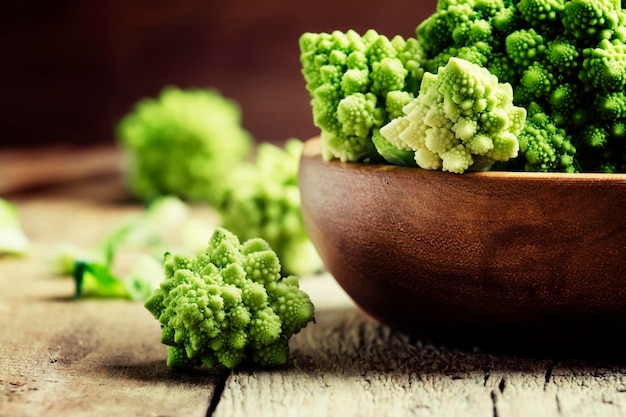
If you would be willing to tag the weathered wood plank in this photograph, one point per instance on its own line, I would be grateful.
(62, 357)
(560, 387)
(347, 364)
(35, 168)
(102, 357)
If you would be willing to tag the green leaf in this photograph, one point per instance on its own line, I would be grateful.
(96, 280)
(392, 154)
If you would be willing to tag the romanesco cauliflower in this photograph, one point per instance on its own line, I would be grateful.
(356, 84)
(545, 146)
(228, 305)
(262, 199)
(461, 119)
(563, 56)
(182, 143)
(567, 57)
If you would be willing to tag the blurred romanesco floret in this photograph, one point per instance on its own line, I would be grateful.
(228, 305)
(262, 199)
(182, 143)
(127, 262)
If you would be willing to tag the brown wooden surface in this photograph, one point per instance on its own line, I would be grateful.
(62, 357)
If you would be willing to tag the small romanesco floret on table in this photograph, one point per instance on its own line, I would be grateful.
(462, 119)
(357, 84)
(228, 305)
(262, 199)
(182, 143)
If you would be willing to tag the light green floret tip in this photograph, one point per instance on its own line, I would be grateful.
(462, 119)
(228, 305)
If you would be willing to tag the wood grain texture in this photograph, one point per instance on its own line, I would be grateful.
(347, 364)
(62, 357)
(44, 167)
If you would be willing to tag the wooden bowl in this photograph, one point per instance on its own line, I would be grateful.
(483, 257)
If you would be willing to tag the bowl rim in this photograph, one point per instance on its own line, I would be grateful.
(313, 148)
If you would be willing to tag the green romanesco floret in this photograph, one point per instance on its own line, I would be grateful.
(353, 80)
(411, 54)
(564, 100)
(395, 102)
(537, 82)
(612, 106)
(524, 47)
(541, 13)
(479, 53)
(262, 199)
(589, 20)
(603, 146)
(604, 67)
(562, 56)
(545, 147)
(505, 21)
(228, 305)
(461, 119)
(489, 8)
(471, 32)
(358, 114)
(595, 136)
(182, 143)
(434, 32)
(503, 67)
(388, 74)
(441, 59)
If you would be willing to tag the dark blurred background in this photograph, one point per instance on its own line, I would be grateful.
(71, 68)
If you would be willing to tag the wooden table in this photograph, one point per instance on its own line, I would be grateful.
(65, 357)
